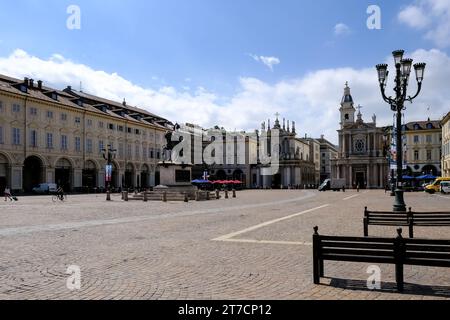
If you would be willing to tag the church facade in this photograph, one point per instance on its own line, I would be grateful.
(361, 159)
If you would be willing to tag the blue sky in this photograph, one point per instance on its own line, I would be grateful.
(207, 44)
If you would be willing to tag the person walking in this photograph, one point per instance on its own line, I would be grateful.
(7, 194)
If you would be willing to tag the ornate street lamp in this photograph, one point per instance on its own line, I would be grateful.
(403, 71)
(109, 155)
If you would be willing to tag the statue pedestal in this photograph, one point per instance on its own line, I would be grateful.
(176, 177)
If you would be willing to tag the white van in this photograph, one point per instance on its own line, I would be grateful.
(45, 188)
(445, 187)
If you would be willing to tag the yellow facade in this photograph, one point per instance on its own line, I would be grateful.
(446, 146)
(423, 147)
(51, 136)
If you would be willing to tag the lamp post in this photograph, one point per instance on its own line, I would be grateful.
(403, 71)
(109, 155)
(387, 152)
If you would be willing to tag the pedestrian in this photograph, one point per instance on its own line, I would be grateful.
(7, 194)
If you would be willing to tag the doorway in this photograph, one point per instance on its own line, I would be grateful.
(32, 173)
(360, 180)
(63, 174)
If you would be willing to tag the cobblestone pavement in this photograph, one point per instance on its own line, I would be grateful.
(257, 246)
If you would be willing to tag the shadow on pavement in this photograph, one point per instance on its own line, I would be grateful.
(391, 287)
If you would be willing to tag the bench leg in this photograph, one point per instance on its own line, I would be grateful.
(399, 277)
(316, 272)
(366, 228)
(411, 232)
(322, 268)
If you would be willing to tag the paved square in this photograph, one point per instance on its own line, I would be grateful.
(257, 246)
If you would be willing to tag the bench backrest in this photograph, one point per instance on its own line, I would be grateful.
(373, 250)
(431, 218)
(424, 252)
(406, 218)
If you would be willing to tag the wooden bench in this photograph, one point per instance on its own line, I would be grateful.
(407, 219)
(397, 251)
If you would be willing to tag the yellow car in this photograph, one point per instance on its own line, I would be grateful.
(436, 185)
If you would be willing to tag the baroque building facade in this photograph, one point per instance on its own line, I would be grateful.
(299, 159)
(297, 164)
(361, 159)
(58, 136)
(328, 152)
(445, 123)
(423, 147)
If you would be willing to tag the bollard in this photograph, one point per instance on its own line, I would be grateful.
(122, 195)
(234, 193)
(126, 196)
(145, 196)
(217, 194)
(197, 195)
(164, 196)
(186, 198)
(207, 195)
(226, 194)
(108, 195)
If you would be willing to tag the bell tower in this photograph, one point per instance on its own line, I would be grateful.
(347, 109)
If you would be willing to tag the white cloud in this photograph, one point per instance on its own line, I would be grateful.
(433, 16)
(269, 62)
(311, 100)
(414, 17)
(341, 29)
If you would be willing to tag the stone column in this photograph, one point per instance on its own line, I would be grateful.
(16, 177)
(380, 176)
(137, 179)
(101, 178)
(288, 176)
(120, 177)
(77, 178)
(152, 179)
(350, 176)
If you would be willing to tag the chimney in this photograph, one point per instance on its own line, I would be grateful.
(39, 84)
(322, 137)
(31, 83)
(25, 80)
(124, 103)
(69, 88)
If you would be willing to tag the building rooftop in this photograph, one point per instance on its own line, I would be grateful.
(423, 125)
(80, 100)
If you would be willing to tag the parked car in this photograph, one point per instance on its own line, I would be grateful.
(445, 187)
(45, 188)
(436, 185)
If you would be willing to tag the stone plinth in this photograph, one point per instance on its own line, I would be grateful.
(175, 177)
